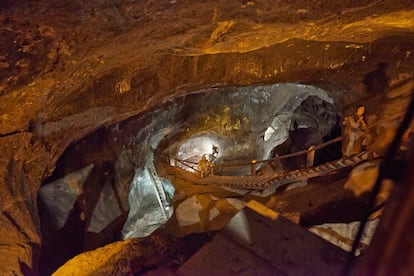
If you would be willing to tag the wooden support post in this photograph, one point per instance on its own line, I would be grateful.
(276, 162)
(211, 165)
(310, 156)
(253, 168)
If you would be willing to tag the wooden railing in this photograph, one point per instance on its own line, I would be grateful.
(184, 162)
(310, 152)
(188, 164)
(310, 157)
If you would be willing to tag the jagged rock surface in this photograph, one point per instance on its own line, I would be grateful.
(68, 68)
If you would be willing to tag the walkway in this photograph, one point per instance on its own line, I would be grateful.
(243, 182)
(276, 180)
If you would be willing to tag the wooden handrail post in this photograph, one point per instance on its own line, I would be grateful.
(310, 157)
(253, 168)
(276, 162)
(211, 165)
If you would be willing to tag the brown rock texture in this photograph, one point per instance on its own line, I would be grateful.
(68, 68)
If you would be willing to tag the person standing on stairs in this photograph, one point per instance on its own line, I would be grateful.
(214, 153)
(355, 137)
(203, 166)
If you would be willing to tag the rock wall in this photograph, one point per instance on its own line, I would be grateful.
(59, 83)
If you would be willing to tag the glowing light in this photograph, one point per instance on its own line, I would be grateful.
(194, 148)
(268, 133)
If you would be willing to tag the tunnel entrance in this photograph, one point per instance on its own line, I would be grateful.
(106, 187)
(313, 122)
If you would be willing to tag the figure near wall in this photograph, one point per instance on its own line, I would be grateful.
(355, 136)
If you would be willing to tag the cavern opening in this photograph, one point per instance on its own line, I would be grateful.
(107, 187)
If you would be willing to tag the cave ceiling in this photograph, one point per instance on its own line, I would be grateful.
(78, 65)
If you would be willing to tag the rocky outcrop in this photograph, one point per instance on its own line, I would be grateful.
(135, 256)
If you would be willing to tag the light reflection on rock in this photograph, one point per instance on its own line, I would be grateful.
(147, 213)
(59, 196)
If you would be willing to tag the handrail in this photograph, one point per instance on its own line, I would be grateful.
(327, 143)
(179, 160)
(184, 163)
(289, 155)
(320, 146)
(310, 151)
(297, 153)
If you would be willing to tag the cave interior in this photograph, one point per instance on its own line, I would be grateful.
(107, 108)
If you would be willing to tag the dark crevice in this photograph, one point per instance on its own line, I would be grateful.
(15, 224)
(11, 133)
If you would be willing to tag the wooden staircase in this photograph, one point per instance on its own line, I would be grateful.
(264, 181)
(326, 168)
(243, 182)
